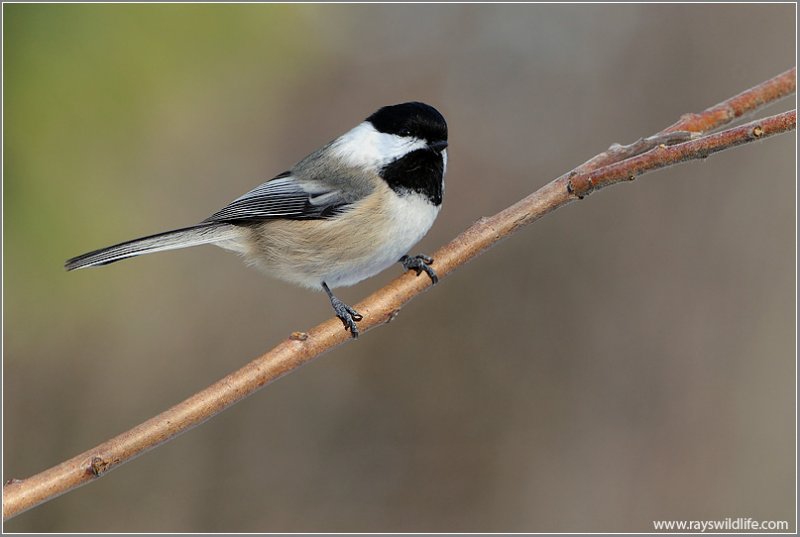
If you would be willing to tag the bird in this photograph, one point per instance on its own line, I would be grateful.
(344, 213)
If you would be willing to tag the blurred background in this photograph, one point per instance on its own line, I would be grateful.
(627, 358)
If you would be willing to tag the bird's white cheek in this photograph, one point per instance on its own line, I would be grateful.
(365, 147)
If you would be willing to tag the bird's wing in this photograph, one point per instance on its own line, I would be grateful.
(283, 197)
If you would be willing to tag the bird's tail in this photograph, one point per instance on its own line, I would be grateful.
(180, 238)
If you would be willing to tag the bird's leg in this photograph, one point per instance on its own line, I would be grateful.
(418, 263)
(345, 313)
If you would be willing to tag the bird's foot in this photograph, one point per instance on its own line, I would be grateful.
(345, 313)
(419, 263)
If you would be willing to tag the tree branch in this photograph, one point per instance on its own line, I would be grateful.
(677, 143)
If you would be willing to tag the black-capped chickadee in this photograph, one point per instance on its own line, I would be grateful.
(342, 214)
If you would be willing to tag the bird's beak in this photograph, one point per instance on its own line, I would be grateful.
(438, 145)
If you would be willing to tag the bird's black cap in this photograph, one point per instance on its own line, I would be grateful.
(411, 119)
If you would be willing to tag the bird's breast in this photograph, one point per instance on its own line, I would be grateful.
(361, 242)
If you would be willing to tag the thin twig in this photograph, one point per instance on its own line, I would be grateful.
(747, 102)
(581, 184)
(379, 308)
(689, 125)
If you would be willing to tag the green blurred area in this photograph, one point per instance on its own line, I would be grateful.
(627, 358)
(87, 85)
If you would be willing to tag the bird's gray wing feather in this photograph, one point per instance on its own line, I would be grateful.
(283, 197)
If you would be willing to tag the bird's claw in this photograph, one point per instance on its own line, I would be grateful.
(347, 315)
(419, 263)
